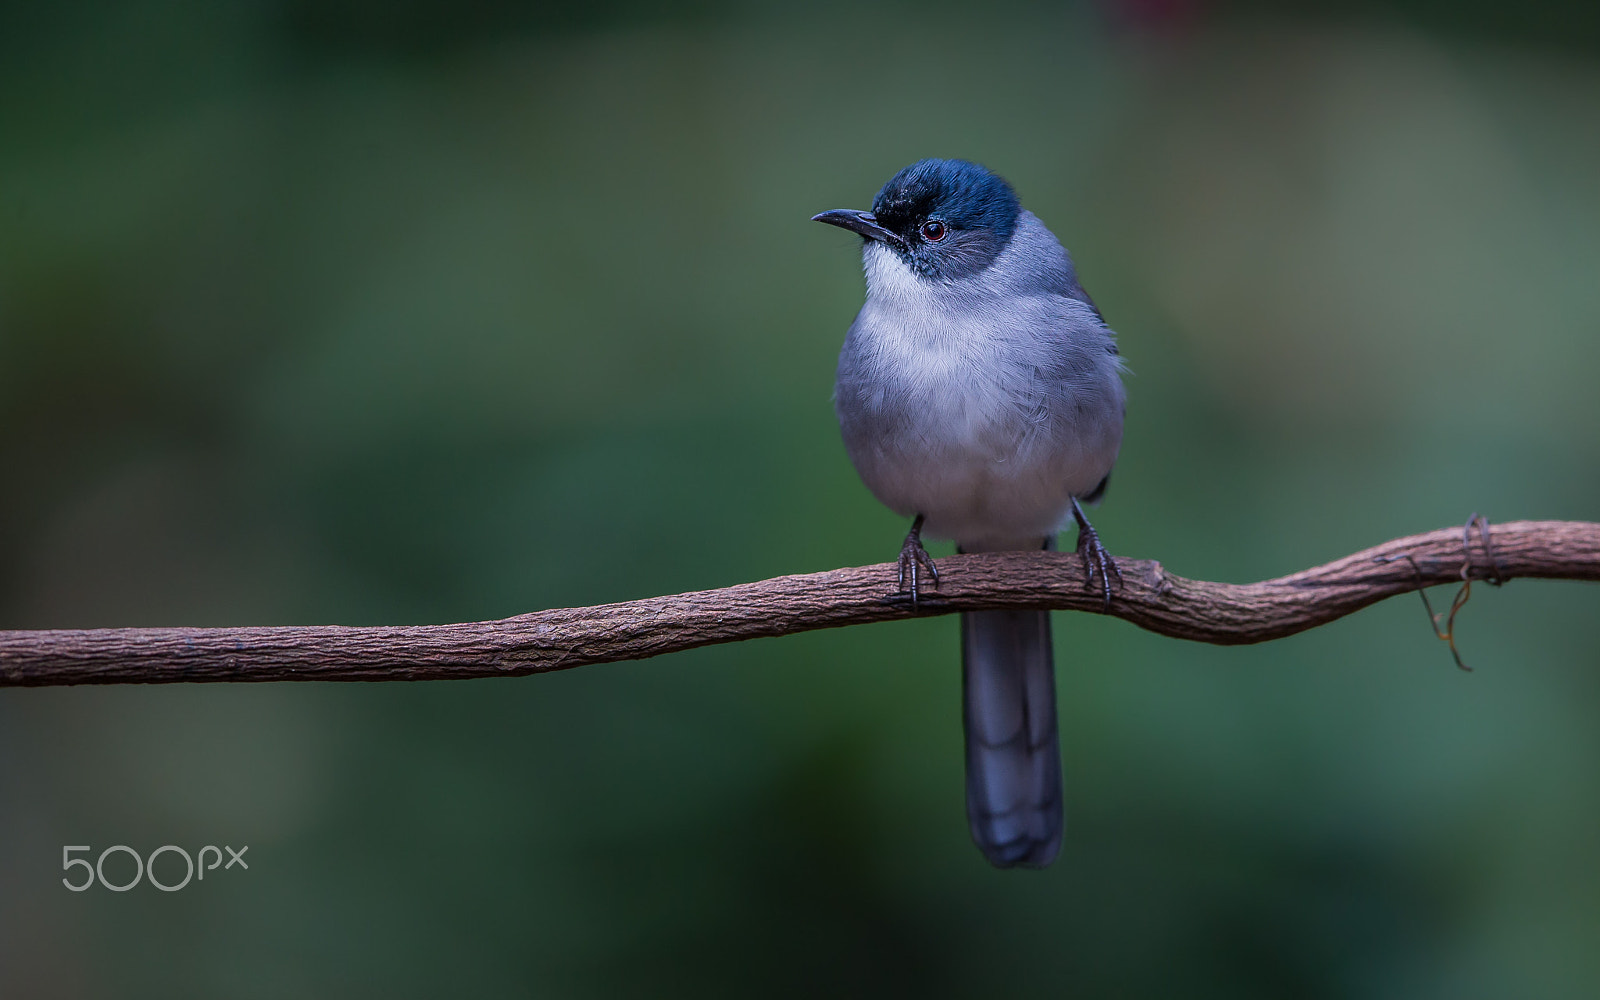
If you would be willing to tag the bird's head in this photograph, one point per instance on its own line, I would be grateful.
(946, 219)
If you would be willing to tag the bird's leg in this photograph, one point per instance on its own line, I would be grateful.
(913, 556)
(1095, 557)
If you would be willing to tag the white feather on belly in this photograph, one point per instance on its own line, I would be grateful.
(989, 447)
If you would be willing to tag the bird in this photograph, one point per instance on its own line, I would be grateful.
(979, 393)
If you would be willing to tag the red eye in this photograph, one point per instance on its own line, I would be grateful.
(933, 230)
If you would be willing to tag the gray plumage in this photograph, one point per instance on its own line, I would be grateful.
(979, 391)
(985, 404)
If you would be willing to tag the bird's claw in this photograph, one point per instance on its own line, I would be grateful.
(1096, 560)
(913, 558)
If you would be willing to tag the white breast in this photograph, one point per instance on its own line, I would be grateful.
(955, 402)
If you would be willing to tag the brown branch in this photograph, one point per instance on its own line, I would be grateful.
(1149, 597)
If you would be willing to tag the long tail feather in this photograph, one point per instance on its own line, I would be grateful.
(1013, 754)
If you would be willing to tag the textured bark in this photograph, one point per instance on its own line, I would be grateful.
(1149, 597)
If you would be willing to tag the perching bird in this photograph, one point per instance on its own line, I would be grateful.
(979, 393)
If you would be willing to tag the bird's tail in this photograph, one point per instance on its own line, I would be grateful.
(1013, 755)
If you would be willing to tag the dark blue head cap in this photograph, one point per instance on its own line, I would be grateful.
(946, 219)
(960, 194)
(970, 210)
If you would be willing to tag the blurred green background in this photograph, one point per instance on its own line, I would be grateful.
(369, 313)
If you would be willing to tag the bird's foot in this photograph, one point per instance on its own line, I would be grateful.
(1096, 560)
(914, 558)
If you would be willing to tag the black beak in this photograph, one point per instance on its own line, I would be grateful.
(859, 222)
